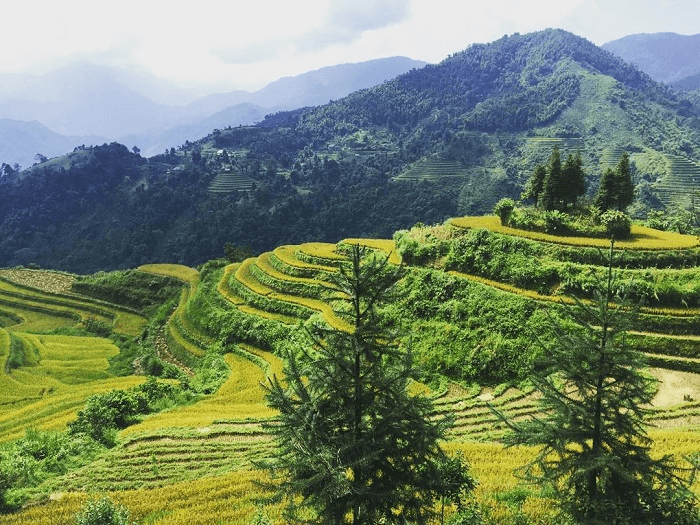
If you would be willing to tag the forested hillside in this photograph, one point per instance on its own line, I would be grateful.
(446, 140)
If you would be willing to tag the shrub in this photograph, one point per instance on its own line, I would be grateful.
(556, 222)
(617, 224)
(102, 511)
(97, 327)
(504, 208)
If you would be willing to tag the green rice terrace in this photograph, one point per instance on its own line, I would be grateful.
(474, 295)
(228, 182)
(681, 184)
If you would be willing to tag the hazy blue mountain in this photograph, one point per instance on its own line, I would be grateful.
(666, 57)
(312, 88)
(159, 140)
(84, 99)
(243, 108)
(21, 141)
(691, 83)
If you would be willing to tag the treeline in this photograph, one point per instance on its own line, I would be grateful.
(112, 209)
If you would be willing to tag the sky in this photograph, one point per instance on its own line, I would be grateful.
(215, 45)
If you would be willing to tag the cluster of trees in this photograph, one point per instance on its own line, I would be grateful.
(616, 189)
(557, 186)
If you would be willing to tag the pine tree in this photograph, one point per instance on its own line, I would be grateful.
(552, 186)
(624, 187)
(535, 184)
(594, 448)
(574, 178)
(353, 445)
(605, 197)
(616, 188)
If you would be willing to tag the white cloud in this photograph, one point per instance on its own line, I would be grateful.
(245, 44)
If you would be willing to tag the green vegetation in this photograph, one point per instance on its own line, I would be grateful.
(446, 140)
(594, 447)
(77, 413)
(102, 511)
(351, 439)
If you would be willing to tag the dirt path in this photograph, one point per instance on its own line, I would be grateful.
(163, 351)
(674, 386)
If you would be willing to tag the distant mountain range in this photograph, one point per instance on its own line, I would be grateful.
(666, 57)
(438, 141)
(88, 104)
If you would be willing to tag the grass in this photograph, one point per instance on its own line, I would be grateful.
(240, 397)
(642, 238)
(384, 245)
(294, 266)
(179, 271)
(244, 276)
(224, 288)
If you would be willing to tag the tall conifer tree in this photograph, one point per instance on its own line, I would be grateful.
(553, 185)
(354, 446)
(574, 179)
(594, 448)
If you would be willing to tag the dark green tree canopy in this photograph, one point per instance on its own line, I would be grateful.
(594, 448)
(556, 186)
(616, 190)
(353, 443)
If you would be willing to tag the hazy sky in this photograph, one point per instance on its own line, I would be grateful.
(237, 44)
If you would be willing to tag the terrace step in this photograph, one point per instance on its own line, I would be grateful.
(229, 182)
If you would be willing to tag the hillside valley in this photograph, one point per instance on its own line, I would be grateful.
(390, 243)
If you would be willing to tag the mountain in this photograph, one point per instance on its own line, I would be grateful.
(312, 88)
(445, 140)
(83, 99)
(243, 108)
(666, 57)
(20, 142)
(86, 100)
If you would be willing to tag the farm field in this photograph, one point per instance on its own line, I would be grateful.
(196, 463)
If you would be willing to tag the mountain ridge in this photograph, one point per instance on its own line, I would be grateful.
(490, 113)
(666, 57)
(83, 99)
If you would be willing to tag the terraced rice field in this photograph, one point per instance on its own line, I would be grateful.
(229, 182)
(433, 170)
(58, 375)
(196, 464)
(681, 184)
(538, 149)
(41, 304)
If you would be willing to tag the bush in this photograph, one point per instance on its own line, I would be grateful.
(97, 327)
(504, 208)
(102, 511)
(617, 224)
(105, 414)
(556, 222)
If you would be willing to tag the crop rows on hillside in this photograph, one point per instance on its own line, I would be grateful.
(210, 448)
(228, 182)
(681, 184)
(433, 170)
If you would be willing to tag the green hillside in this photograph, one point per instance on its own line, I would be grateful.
(473, 297)
(448, 139)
